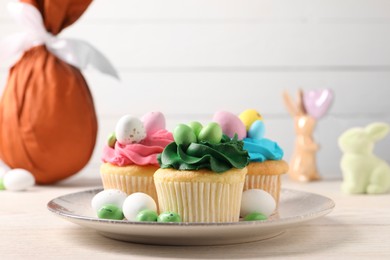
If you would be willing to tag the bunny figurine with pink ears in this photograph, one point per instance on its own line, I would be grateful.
(309, 107)
(364, 172)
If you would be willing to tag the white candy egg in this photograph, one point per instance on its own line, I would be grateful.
(137, 202)
(18, 180)
(110, 196)
(129, 130)
(256, 200)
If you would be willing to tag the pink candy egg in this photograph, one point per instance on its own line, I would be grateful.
(230, 124)
(153, 121)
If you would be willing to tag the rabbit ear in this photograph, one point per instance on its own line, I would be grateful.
(294, 111)
(377, 131)
(350, 136)
(300, 104)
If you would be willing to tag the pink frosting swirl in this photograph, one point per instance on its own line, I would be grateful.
(142, 153)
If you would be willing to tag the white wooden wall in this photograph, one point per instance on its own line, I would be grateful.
(190, 58)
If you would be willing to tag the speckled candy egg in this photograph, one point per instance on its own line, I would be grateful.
(153, 122)
(110, 211)
(256, 200)
(106, 197)
(230, 124)
(129, 130)
(18, 180)
(169, 217)
(137, 202)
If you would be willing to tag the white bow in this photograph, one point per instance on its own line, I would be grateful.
(75, 52)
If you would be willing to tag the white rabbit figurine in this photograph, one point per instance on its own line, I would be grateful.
(364, 172)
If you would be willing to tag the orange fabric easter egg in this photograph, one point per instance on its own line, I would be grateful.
(48, 123)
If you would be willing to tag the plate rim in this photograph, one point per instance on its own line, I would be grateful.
(266, 223)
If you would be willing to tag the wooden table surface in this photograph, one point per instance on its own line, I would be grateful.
(358, 227)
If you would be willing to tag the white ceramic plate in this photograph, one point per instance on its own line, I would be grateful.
(295, 207)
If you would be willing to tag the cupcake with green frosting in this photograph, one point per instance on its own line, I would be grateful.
(202, 174)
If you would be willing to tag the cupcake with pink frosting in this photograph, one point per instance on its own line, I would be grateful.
(130, 155)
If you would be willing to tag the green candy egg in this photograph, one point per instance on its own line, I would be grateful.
(169, 217)
(183, 135)
(255, 216)
(147, 215)
(111, 140)
(2, 187)
(110, 211)
(211, 133)
(196, 127)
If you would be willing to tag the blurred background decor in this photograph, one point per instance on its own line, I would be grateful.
(47, 115)
(305, 111)
(363, 171)
(191, 58)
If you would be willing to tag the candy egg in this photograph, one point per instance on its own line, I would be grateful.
(153, 121)
(256, 200)
(129, 130)
(147, 215)
(111, 140)
(137, 202)
(255, 216)
(110, 211)
(183, 135)
(196, 127)
(18, 180)
(2, 173)
(2, 187)
(257, 130)
(110, 196)
(230, 124)
(169, 217)
(211, 133)
(249, 116)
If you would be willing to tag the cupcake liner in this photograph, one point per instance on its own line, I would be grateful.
(130, 184)
(201, 201)
(268, 183)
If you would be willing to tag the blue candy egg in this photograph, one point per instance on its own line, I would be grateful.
(257, 130)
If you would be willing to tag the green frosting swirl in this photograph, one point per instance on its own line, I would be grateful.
(216, 157)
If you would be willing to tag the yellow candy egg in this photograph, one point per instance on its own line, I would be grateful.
(249, 116)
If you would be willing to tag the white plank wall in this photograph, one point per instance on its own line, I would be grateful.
(190, 58)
